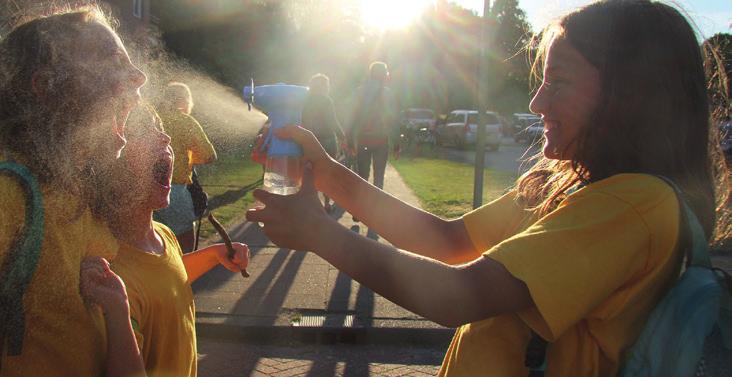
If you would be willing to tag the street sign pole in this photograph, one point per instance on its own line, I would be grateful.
(482, 88)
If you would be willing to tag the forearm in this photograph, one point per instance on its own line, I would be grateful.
(200, 261)
(123, 354)
(403, 225)
(424, 286)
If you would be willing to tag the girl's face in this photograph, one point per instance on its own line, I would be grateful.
(107, 71)
(567, 98)
(148, 161)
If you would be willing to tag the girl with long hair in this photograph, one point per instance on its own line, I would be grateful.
(585, 244)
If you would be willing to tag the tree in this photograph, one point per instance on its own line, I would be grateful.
(510, 70)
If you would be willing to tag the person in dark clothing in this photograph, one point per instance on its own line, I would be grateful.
(319, 116)
(373, 122)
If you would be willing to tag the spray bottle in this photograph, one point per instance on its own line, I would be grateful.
(283, 105)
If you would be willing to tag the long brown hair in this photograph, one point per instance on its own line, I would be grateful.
(47, 106)
(654, 114)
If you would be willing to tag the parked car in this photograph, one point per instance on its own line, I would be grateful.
(416, 118)
(528, 128)
(461, 129)
(418, 127)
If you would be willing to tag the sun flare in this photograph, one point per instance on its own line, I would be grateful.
(392, 14)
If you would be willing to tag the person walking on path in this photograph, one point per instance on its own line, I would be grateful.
(585, 244)
(190, 147)
(319, 116)
(373, 123)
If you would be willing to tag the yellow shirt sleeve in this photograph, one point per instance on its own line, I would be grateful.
(575, 257)
(494, 222)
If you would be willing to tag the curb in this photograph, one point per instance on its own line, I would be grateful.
(260, 330)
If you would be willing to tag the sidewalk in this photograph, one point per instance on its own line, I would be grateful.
(295, 296)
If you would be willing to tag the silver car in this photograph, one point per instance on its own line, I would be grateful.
(461, 129)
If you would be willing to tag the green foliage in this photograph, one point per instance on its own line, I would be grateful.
(433, 63)
(229, 183)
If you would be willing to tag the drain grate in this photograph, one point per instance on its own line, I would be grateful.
(309, 320)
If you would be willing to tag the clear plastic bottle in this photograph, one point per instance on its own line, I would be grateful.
(283, 175)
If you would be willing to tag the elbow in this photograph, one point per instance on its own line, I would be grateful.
(464, 299)
(453, 317)
(450, 322)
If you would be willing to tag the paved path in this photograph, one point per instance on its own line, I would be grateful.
(228, 359)
(298, 315)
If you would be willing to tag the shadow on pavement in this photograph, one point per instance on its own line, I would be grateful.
(231, 196)
(236, 359)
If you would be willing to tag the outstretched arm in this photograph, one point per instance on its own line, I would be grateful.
(201, 261)
(481, 288)
(406, 227)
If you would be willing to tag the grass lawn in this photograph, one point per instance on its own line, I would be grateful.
(229, 183)
(445, 188)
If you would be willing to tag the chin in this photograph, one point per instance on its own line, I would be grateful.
(550, 153)
(160, 204)
(554, 152)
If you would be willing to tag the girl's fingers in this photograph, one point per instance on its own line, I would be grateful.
(257, 215)
(308, 180)
(230, 265)
(262, 196)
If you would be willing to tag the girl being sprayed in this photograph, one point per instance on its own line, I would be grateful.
(585, 244)
(156, 274)
(66, 88)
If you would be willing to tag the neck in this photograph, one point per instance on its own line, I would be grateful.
(134, 226)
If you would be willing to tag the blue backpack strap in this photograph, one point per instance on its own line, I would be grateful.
(21, 261)
(698, 246)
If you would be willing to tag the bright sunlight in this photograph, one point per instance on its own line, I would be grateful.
(392, 14)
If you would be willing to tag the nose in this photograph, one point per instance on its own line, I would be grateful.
(540, 103)
(137, 77)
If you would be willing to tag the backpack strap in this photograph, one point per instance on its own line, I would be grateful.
(698, 247)
(21, 261)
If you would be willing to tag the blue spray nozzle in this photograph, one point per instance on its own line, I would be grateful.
(283, 105)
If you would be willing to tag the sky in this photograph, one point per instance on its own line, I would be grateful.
(710, 16)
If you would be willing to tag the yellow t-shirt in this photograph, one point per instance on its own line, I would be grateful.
(189, 142)
(595, 267)
(161, 306)
(62, 336)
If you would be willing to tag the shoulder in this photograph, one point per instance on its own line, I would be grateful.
(12, 206)
(171, 242)
(189, 120)
(644, 200)
(641, 192)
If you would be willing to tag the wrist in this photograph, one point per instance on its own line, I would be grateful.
(331, 176)
(116, 309)
(328, 235)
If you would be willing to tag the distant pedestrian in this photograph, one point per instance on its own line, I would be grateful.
(191, 147)
(373, 124)
(319, 116)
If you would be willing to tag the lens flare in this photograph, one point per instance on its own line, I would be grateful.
(390, 15)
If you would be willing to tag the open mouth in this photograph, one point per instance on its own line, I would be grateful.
(162, 172)
(122, 112)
